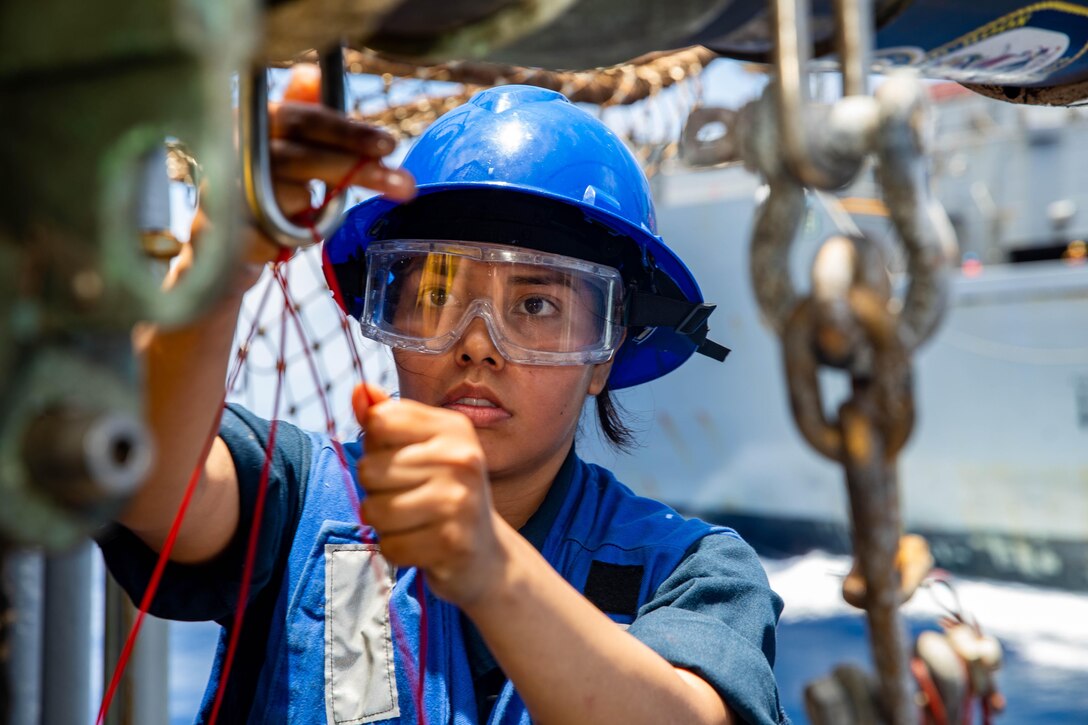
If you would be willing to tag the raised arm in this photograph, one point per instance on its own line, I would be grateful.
(185, 368)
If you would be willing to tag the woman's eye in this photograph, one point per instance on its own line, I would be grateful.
(538, 306)
(438, 297)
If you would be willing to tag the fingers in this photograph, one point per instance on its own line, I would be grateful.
(439, 499)
(297, 163)
(365, 395)
(304, 85)
(427, 492)
(403, 422)
(440, 549)
(393, 469)
(321, 126)
(293, 196)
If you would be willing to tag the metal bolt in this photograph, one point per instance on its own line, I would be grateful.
(82, 457)
(87, 285)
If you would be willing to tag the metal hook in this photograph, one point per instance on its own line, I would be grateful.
(256, 160)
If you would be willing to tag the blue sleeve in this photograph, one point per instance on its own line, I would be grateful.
(209, 591)
(715, 615)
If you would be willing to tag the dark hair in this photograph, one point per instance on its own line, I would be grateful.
(618, 434)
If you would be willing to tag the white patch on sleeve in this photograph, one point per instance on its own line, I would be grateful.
(360, 680)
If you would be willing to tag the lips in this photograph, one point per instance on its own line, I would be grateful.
(481, 405)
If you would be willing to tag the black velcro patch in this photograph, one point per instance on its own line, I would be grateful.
(614, 588)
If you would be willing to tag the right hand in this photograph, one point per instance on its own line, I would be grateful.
(428, 494)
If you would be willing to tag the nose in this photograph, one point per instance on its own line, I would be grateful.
(477, 348)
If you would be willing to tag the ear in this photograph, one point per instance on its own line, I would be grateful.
(601, 371)
(599, 377)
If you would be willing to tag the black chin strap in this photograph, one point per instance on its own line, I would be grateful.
(687, 318)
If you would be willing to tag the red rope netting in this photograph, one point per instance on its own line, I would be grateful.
(309, 339)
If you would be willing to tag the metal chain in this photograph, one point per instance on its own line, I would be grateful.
(849, 320)
(856, 331)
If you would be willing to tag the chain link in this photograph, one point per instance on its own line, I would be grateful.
(849, 321)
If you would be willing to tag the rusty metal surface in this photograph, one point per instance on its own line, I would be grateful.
(921, 223)
(871, 428)
(849, 320)
(705, 140)
(434, 30)
(874, 502)
(806, 402)
(292, 27)
(594, 33)
(775, 227)
(549, 33)
(854, 37)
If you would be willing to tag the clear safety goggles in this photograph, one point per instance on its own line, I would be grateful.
(539, 308)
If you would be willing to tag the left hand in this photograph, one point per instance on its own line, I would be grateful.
(427, 493)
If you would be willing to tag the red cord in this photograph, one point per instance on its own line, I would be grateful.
(341, 308)
(934, 704)
(255, 527)
(308, 218)
(421, 595)
(179, 517)
(349, 483)
(156, 574)
(338, 296)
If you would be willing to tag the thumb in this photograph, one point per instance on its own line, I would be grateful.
(364, 397)
(304, 85)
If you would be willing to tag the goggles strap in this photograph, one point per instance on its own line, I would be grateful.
(687, 318)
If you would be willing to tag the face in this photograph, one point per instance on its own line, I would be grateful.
(525, 415)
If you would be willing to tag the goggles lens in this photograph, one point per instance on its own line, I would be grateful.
(539, 308)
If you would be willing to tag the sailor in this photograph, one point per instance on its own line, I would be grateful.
(524, 279)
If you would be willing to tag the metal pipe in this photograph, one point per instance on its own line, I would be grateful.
(83, 456)
(790, 92)
(333, 78)
(854, 37)
(6, 615)
(143, 695)
(66, 636)
(23, 578)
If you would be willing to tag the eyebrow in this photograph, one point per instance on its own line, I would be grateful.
(541, 278)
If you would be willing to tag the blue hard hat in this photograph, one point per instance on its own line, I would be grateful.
(537, 145)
